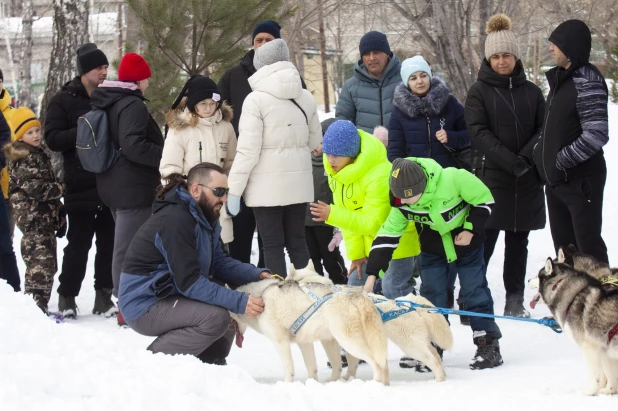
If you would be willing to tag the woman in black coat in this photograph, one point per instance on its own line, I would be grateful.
(504, 114)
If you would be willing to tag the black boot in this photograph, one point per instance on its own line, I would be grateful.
(515, 308)
(407, 362)
(487, 352)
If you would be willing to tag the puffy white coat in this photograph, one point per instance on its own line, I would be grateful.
(273, 157)
(182, 148)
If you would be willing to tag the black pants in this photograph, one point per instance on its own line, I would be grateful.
(83, 226)
(283, 227)
(244, 227)
(515, 260)
(318, 238)
(576, 214)
(8, 261)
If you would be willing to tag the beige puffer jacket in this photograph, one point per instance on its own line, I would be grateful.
(273, 157)
(182, 147)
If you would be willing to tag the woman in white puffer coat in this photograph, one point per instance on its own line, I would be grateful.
(200, 130)
(278, 129)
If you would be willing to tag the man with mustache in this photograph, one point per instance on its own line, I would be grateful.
(87, 215)
(170, 284)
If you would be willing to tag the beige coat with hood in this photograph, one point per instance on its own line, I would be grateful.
(182, 147)
(273, 157)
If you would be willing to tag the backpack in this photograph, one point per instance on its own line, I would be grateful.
(95, 148)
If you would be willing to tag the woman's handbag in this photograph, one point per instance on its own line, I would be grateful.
(462, 156)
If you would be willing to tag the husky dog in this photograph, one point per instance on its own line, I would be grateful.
(350, 321)
(589, 311)
(413, 332)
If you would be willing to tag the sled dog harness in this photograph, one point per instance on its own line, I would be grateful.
(300, 321)
(404, 308)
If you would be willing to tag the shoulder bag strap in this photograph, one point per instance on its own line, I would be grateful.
(510, 108)
(301, 109)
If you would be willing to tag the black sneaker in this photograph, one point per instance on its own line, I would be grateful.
(515, 308)
(419, 366)
(487, 352)
(344, 362)
(408, 362)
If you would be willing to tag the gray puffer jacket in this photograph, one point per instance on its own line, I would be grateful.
(367, 101)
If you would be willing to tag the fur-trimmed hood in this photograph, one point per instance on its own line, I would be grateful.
(180, 118)
(17, 150)
(432, 104)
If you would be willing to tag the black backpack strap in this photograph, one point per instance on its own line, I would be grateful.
(510, 108)
(301, 109)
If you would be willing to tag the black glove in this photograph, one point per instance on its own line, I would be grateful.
(62, 222)
(521, 167)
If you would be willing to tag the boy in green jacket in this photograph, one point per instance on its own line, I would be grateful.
(450, 208)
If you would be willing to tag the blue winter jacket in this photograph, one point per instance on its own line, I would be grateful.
(367, 101)
(415, 122)
(174, 253)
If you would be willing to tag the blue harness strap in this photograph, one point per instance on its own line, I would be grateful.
(404, 308)
(300, 321)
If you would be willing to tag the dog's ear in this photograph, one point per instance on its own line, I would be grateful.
(549, 266)
(292, 275)
(561, 255)
(310, 266)
(227, 286)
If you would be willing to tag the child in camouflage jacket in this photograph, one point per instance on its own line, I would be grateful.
(35, 194)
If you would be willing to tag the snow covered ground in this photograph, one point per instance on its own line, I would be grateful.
(91, 364)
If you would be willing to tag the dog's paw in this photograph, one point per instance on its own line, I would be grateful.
(591, 391)
(609, 391)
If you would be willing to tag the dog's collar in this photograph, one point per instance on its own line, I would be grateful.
(612, 333)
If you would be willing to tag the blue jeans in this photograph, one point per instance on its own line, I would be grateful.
(474, 289)
(395, 282)
(8, 262)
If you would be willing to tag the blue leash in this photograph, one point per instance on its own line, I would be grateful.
(547, 321)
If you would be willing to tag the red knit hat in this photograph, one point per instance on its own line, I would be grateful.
(133, 67)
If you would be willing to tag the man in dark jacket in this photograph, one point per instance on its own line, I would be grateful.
(365, 99)
(170, 284)
(569, 154)
(128, 188)
(8, 262)
(86, 212)
(504, 115)
(234, 87)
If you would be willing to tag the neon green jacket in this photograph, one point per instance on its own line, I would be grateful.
(454, 200)
(362, 203)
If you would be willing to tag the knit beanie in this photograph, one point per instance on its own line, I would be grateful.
(573, 38)
(133, 67)
(500, 38)
(374, 41)
(341, 139)
(267, 26)
(199, 89)
(407, 178)
(23, 120)
(89, 57)
(414, 65)
(270, 53)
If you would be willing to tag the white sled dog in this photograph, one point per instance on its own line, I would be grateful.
(588, 310)
(413, 332)
(350, 321)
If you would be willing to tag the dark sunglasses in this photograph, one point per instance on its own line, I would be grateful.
(218, 192)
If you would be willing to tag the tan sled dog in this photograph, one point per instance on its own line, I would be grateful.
(413, 332)
(347, 320)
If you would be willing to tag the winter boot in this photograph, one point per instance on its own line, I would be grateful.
(67, 307)
(103, 303)
(408, 362)
(515, 308)
(487, 352)
(463, 319)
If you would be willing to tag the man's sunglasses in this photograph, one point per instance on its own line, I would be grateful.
(218, 192)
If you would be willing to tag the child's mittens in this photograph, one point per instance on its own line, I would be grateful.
(334, 243)
(62, 222)
(233, 205)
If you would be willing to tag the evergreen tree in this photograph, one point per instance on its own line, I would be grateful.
(187, 37)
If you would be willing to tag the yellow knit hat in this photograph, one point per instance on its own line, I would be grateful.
(23, 120)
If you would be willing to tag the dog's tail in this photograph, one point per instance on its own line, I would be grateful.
(439, 329)
(373, 328)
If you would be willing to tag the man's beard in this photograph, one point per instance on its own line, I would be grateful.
(209, 211)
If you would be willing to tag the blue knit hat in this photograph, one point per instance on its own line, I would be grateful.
(413, 65)
(341, 139)
(267, 26)
(374, 41)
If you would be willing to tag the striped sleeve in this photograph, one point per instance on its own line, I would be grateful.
(386, 242)
(592, 110)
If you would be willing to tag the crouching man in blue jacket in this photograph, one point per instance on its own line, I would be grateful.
(169, 286)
